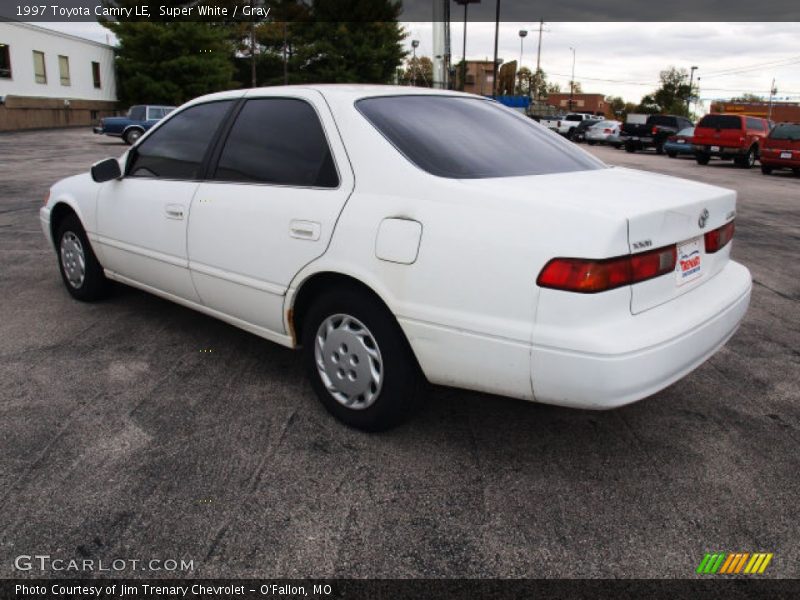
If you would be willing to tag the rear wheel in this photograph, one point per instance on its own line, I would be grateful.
(591, 142)
(358, 360)
(796, 172)
(132, 135)
(702, 159)
(659, 148)
(630, 148)
(82, 274)
(672, 154)
(766, 170)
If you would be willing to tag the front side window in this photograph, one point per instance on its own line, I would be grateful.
(470, 138)
(39, 70)
(177, 148)
(63, 69)
(277, 141)
(96, 74)
(5, 61)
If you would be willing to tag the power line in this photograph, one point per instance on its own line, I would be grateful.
(733, 70)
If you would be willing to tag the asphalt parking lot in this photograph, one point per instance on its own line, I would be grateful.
(135, 428)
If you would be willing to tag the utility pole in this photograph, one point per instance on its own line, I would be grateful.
(496, 35)
(538, 61)
(572, 80)
(689, 98)
(285, 55)
(466, 4)
(414, 65)
(772, 91)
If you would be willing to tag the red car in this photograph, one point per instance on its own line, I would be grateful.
(736, 137)
(781, 150)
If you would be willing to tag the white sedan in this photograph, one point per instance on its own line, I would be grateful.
(397, 235)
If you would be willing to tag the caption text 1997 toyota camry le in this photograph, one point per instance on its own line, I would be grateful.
(400, 233)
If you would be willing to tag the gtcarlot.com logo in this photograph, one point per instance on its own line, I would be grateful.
(734, 563)
(45, 562)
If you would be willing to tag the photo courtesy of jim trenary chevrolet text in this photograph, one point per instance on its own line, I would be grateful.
(399, 299)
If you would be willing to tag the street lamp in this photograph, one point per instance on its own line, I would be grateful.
(466, 4)
(414, 46)
(522, 34)
(572, 80)
(691, 81)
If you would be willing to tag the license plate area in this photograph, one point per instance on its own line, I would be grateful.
(714, 148)
(689, 264)
(786, 155)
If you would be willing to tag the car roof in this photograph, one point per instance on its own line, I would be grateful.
(341, 91)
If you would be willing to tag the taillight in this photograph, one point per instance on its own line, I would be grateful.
(589, 276)
(655, 130)
(558, 123)
(673, 138)
(606, 130)
(717, 239)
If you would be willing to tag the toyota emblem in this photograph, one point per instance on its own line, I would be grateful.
(703, 218)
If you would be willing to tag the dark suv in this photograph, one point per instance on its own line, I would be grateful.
(736, 137)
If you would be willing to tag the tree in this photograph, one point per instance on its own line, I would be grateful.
(748, 98)
(552, 88)
(672, 96)
(418, 72)
(524, 77)
(576, 87)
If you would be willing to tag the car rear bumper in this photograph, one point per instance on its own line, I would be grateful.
(776, 162)
(723, 152)
(648, 351)
(679, 148)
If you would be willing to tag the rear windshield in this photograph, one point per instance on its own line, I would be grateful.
(661, 120)
(721, 122)
(470, 138)
(574, 118)
(786, 131)
(688, 132)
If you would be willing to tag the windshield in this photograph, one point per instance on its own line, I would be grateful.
(471, 138)
(786, 131)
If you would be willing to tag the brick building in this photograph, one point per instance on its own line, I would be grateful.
(584, 103)
(781, 111)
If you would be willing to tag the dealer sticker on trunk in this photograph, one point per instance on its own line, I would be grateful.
(688, 267)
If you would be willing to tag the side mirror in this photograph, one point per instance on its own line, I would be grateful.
(106, 170)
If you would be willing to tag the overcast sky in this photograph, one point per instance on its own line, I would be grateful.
(628, 55)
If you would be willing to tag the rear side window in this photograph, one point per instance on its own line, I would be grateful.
(574, 118)
(137, 113)
(721, 122)
(466, 138)
(176, 149)
(756, 124)
(277, 141)
(786, 131)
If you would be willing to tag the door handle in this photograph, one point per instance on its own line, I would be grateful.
(305, 230)
(174, 211)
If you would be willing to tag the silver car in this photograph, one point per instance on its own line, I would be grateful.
(604, 132)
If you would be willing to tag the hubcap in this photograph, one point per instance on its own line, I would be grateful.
(72, 259)
(349, 361)
(134, 135)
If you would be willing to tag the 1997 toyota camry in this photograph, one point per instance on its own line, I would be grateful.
(399, 233)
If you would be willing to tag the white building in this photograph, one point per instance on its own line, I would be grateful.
(52, 79)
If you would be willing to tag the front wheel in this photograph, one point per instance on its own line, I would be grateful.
(358, 361)
(82, 273)
(766, 170)
(630, 148)
(591, 142)
(672, 154)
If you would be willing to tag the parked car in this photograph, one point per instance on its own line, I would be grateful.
(568, 123)
(379, 230)
(551, 123)
(781, 149)
(578, 133)
(680, 143)
(736, 137)
(132, 126)
(652, 133)
(604, 132)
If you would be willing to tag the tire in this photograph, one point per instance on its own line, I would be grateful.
(591, 142)
(659, 149)
(796, 172)
(766, 170)
(672, 154)
(132, 135)
(617, 146)
(630, 148)
(702, 159)
(348, 328)
(80, 270)
(747, 161)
